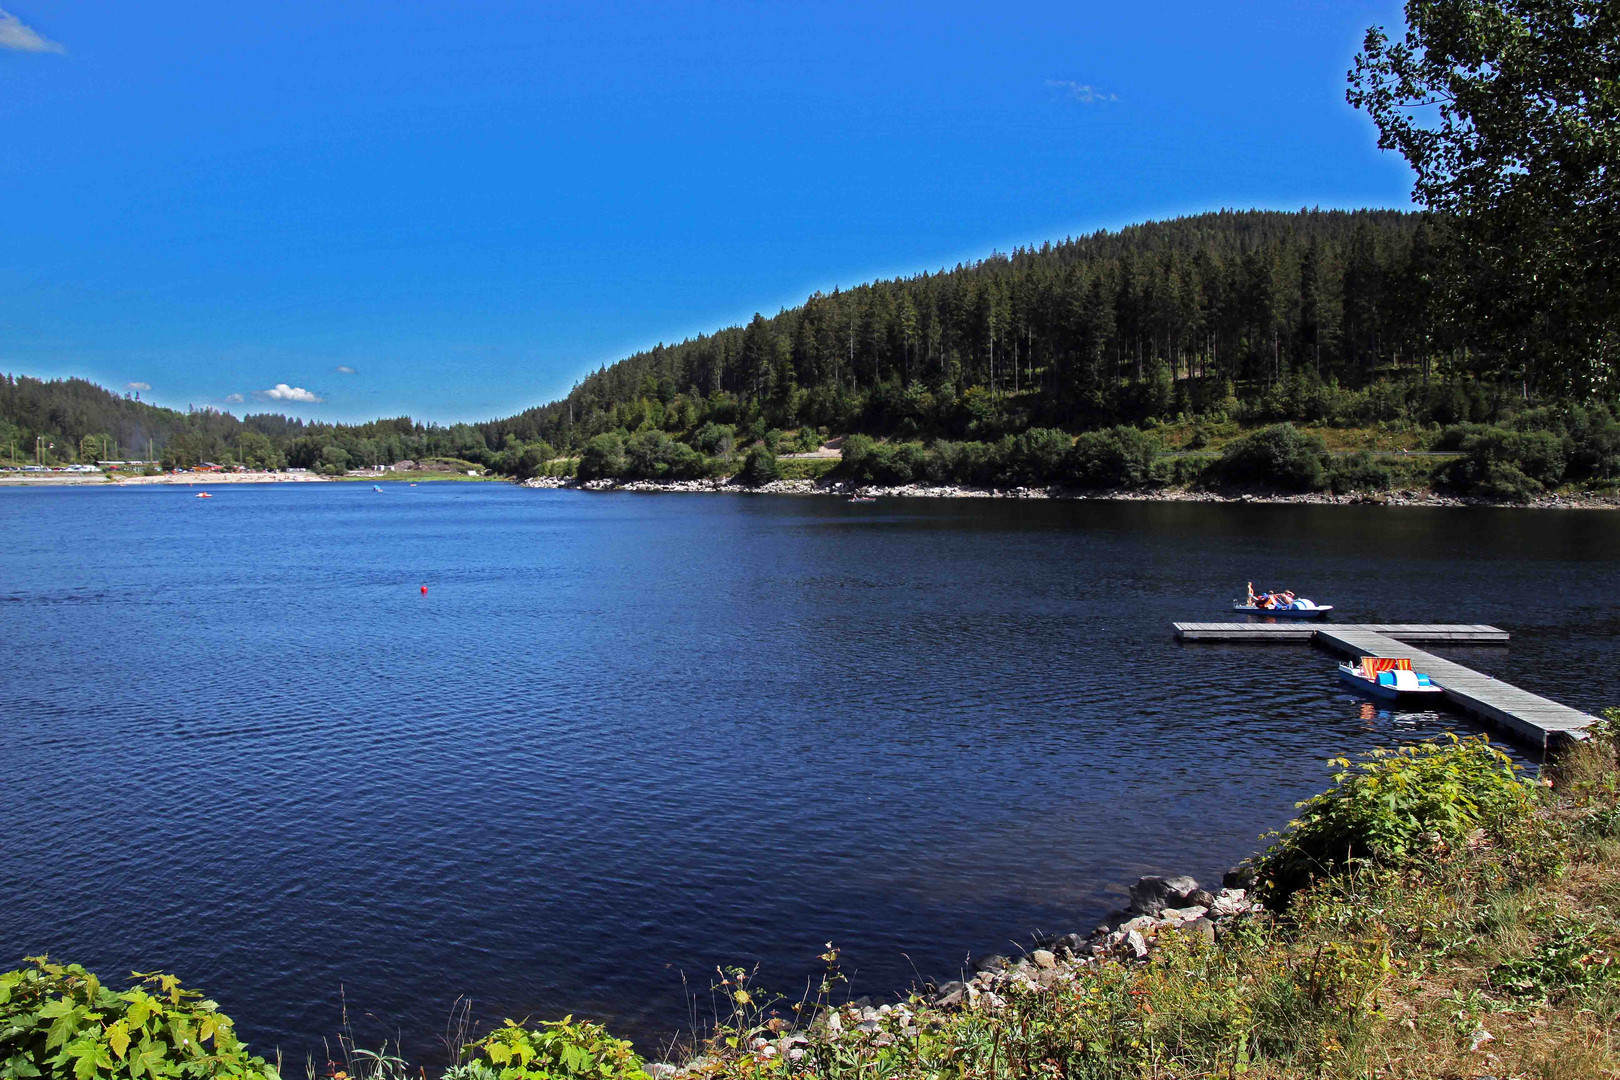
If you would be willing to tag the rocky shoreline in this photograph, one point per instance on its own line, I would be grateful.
(1159, 906)
(847, 489)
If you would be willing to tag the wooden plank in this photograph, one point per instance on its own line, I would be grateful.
(1530, 717)
(1303, 631)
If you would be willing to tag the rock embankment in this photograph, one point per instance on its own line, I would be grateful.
(846, 489)
(1159, 906)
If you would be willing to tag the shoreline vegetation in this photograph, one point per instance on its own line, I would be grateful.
(1434, 913)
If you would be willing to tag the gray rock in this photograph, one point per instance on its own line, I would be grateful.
(1201, 928)
(867, 1025)
(1152, 894)
(1200, 898)
(1241, 876)
(950, 1000)
(1178, 916)
(953, 987)
(1139, 925)
(1044, 958)
(1071, 943)
(1136, 944)
(994, 963)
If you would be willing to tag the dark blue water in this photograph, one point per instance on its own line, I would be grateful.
(628, 737)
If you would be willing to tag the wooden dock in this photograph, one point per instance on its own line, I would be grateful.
(1413, 633)
(1538, 722)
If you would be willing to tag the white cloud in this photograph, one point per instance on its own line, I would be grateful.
(14, 34)
(137, 386)
(345, 369)
(234, 399)
(282, 392)
(1069, 90)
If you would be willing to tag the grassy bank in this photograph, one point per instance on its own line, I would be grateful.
(1433, 914)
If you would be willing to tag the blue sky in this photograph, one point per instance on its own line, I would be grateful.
(456, 211)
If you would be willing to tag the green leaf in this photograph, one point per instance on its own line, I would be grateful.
(118, 1038)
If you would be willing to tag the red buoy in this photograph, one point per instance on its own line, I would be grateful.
(424, 590)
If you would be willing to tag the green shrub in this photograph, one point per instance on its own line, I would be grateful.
(1279, 456)
(1359, 471)
(602, 458)
(1395, 805)
(565, 1049)
(760, 466)
(1509, 465)
(1121, 457)
(57, 1022)
(1035, 457)
(714, 438)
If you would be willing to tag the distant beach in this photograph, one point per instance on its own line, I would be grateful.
(53, 479)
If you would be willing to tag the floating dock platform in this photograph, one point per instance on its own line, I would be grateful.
(1531, 719)
(1414, 633)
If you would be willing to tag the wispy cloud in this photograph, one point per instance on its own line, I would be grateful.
(282, 392)
(1085, 93)
(234, 399)
(137, 386)
(15, 34)
(345, 369)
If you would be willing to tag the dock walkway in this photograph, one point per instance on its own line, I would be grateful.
(1536, 721)
(1416, 633)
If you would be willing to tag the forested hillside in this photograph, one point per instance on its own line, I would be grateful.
(76, 420)
(1153, 320)
(1168, 335)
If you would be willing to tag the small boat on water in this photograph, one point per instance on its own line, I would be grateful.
(1388, 679)
(204, 495)
(1294, 609)
(374, 487)
(862, 498)
(1281, 603)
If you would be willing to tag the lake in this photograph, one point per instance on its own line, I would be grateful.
(626, 738)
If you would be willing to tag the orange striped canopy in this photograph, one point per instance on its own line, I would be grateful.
(1374, 665)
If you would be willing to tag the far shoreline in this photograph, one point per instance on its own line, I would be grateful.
(843, 489)
(847, 489)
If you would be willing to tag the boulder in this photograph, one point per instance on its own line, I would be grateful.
(1152, 894)
(1201, 927)
(1200, 898)
(1136, 945)
(1044, 958)
(994, 963)
(1241, 876)
(1181, 916)
(1070, 943)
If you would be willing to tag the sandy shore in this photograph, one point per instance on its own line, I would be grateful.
(130, 480)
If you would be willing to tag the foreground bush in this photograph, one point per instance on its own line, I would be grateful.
(565, 1049)
(1388, 808)
(58, 1022)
